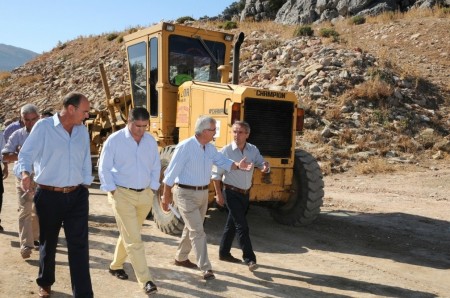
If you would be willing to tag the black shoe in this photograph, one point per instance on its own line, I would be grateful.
(150, 288)
(252, 266)
(119, 273)
(1, 228)
(230, 259)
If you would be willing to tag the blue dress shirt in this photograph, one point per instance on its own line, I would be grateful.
(191, 164)
(58, 159)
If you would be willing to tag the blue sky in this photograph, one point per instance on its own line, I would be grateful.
(40, 24)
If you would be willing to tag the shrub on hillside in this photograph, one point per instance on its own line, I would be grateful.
(185, 19)
(357, 20)
(304, 30)
(228, 25)
(328, 32)
(111, 36)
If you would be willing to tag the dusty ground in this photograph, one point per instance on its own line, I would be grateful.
(380, 235)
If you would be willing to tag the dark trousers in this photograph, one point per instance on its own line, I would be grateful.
(72, 209)
(237, 205)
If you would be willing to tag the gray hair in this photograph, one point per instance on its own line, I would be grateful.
(203, 122)
(244, 124)
(28, 109)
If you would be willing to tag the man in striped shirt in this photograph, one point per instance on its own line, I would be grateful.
(189, 174)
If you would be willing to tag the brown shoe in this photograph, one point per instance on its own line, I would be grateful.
(45, 291)
(186, 263)
(25, 252)
(208, 275)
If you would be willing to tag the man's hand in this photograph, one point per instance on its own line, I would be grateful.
(5, 171)
(166, 198)
(244, 165)
(25, 183)
(219, 199)
(266, 167)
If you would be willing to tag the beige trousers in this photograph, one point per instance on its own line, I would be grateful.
(28, 220)
(192, 205)
(130, 210)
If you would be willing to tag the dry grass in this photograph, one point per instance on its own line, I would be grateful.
(374, 165)
(4, 75)
(24, 81)
(376, 90)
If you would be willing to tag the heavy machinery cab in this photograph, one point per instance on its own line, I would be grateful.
(164, 56)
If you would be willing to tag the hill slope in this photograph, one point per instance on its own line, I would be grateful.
(348, 118)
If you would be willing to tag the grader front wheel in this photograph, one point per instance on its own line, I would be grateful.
(165, 220)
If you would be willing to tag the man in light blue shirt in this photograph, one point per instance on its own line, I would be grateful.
(12, 128)
(190, 172)
(236, 193)
(28, 221)
(58, 149)
(129, 171)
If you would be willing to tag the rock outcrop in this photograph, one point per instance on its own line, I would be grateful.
(310, 11)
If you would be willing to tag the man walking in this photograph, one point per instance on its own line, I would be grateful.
(129, 171)
(236, 192)
(190, 172)
(58, 149)
(28, 221)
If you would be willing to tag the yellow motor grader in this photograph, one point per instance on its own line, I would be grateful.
(157, 58)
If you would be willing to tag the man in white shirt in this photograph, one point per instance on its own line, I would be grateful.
(129, 171)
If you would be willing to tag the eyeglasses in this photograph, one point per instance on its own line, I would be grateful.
(211, 129)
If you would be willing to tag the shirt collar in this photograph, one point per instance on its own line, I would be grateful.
(56, 120)
(234, 146)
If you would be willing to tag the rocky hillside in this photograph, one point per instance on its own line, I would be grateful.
(380, 90)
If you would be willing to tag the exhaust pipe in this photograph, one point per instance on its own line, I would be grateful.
(236, 57)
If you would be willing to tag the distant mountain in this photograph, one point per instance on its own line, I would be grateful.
(12, 57)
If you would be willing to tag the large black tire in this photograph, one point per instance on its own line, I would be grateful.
(306, 199)
(166, 221)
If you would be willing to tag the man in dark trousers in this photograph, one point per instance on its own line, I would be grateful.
(58, 150)
(236, 190)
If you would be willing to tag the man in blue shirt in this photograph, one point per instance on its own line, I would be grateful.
(28, 221)
(236, 193)
(129, 171)
(58, 149)
(190, 172)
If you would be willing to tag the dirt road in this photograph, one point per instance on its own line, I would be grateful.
(381, 235)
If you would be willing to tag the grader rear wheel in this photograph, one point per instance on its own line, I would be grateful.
(165, 220)
(307, 193)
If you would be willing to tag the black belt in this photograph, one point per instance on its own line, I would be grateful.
(237, 189)
(65, 189)
(133, 189)
(193, 187)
